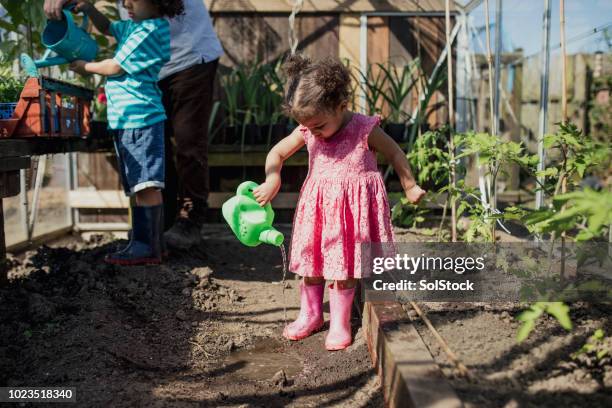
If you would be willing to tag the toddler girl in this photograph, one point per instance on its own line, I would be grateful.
(343, 201)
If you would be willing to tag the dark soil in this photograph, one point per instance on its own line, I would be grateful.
(203, 329)
(540, 372)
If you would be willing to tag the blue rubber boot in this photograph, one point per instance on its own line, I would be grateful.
(145, 245)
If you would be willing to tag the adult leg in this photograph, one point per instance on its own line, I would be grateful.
(192, 94)
(170, 191)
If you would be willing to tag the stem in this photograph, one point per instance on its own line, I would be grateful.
(443, 217)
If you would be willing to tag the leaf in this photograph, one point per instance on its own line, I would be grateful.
(530, 314)
(560, 311)
(549, 172)
(524, 330)
(598, 335)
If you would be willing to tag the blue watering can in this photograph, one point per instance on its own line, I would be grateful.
(67, 40)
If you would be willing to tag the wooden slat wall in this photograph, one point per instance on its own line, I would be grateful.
(345, 6)
(265, 37)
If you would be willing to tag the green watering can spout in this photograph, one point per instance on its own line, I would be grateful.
(251, 223)
(272, 236)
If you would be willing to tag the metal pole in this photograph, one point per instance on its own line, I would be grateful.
(464, 77)
(496, 78)
(563, 62)
(23, 197)
(363, 59)
(544, 70)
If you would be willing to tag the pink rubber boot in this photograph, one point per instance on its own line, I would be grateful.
(310, 318)
(340, 304)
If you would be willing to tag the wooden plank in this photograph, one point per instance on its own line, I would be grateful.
(102, 226)
(311, 6)
(348, 47)
(85, 199)
(39, 240)
(409, 375)
(14, 163)
(41, 145)
(283, 201)
(9, 183)
(98, 199)
(318, 35)
(231, 159)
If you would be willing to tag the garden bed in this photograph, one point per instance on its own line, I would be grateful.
(204, 328)
(537, 373)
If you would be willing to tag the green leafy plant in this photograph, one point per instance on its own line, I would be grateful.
(595, 346)
(373, 86)
(529, 317)
(10, 89)
(429, 157)
(409, 215)
(494, 154)
(396, 86)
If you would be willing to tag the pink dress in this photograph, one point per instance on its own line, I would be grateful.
(343, 203)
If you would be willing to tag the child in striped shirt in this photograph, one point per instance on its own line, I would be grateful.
(136, 114)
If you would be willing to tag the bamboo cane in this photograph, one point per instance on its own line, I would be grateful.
(564, 113)
(451, 122)
(463, 370)
(492, 126)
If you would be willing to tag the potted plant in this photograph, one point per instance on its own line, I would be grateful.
(396, 87)
(10, 89)
(231, 86)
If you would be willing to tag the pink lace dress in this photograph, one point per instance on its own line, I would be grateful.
(343, 203)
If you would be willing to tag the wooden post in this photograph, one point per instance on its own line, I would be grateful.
(3, 265)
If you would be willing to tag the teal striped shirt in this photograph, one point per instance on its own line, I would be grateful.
(134, 100)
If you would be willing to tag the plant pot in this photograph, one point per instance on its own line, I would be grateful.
(231, 135)
(252, 134)
(279, 131)
(98, 129)
(397, 131)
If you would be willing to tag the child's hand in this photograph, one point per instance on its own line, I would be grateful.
(81, 5)
(415, 194)
(78, 66)
(266, 191)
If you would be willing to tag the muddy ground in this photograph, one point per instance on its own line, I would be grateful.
(201, 330)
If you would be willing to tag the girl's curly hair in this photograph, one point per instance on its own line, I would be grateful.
(169, 8)
(315, 86)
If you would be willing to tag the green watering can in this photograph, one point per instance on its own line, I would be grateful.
(63, 37)
(251, 223)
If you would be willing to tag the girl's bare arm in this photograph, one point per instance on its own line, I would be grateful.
(274, 162)
(381, 142)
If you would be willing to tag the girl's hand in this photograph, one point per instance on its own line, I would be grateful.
(78, 66)
(415, 194)
(267, 191)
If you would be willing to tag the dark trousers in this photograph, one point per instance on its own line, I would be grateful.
(188, 99)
